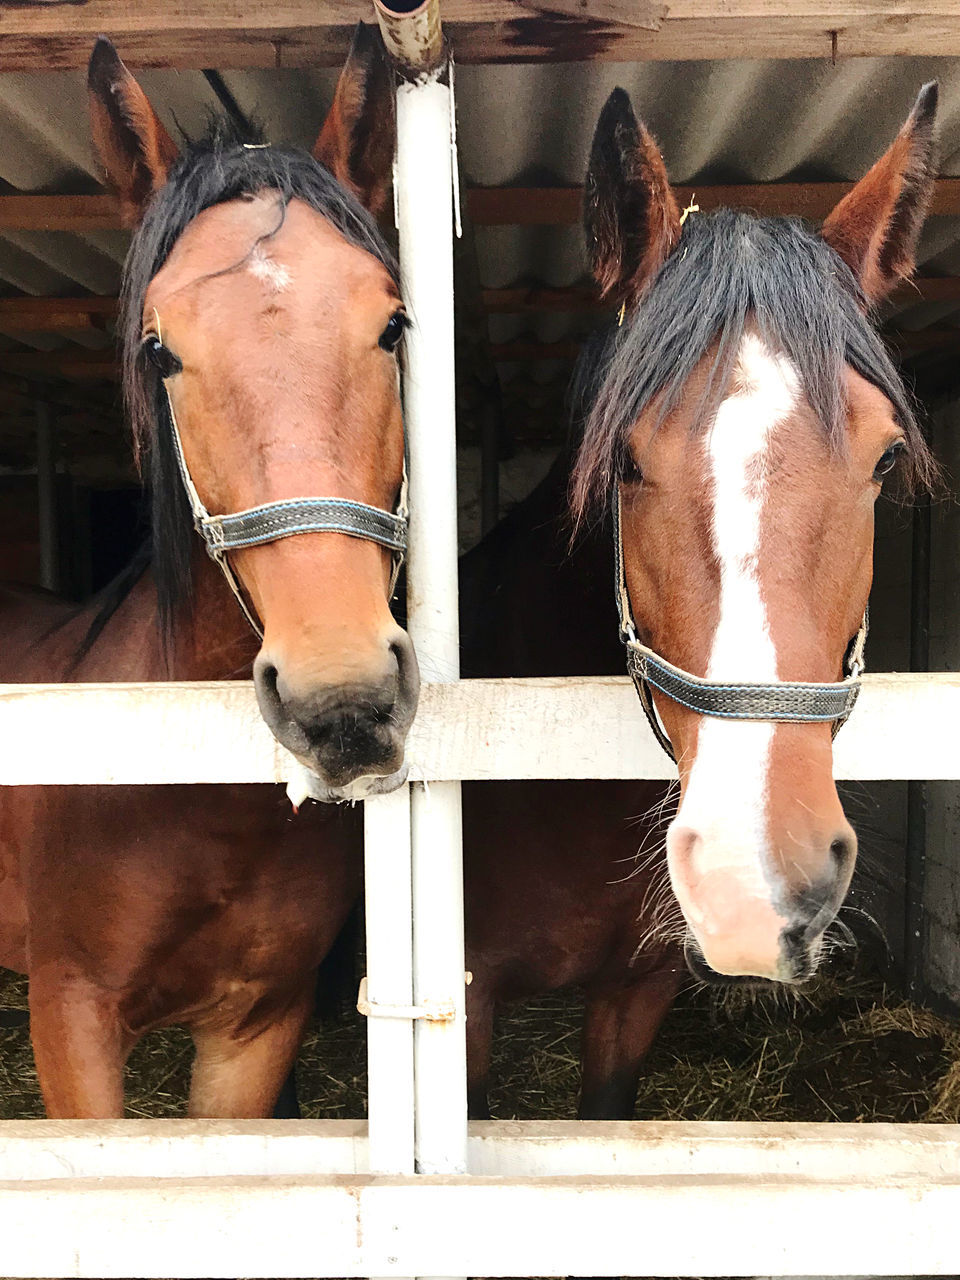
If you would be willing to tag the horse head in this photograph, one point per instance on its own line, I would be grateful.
(743, 418)
(261, 323)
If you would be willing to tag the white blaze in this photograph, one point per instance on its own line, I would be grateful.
(271, 273)
(725, 801)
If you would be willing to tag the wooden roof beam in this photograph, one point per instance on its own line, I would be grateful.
(58, 34)
(562, 206)
(495, 206)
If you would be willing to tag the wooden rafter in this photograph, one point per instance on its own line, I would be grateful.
(493, 206)
(287, 33)
(55, 315)
(562, 206)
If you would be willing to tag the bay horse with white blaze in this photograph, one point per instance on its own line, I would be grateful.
(261, 315)
(738, 423)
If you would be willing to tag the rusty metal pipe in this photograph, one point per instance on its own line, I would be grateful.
(412, 35)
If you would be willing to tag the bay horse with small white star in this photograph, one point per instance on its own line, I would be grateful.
(260, 320)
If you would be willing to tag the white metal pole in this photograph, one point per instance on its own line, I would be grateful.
(389, 983)
(426, 253)
(424, 192)
(47, 498)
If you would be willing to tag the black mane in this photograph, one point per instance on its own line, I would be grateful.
(226, 164)
(729, 270)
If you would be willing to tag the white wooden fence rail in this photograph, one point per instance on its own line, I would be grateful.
(904, 727)
(168, 1198)
(157, 1198)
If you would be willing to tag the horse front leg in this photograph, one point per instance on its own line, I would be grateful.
(80, 1047)
(239, 1075)
(620, 1025)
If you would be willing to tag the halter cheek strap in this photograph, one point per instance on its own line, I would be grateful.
(274, 520)
(781, 701)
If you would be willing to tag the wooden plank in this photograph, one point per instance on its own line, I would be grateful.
(646, 14)
(58, 213)
(47, 1150)
(474, 729)
(495, 206)
(430, 1226)
(563, 206)
(75, 364)
(56, 315)
(31, 307)
(43, 314)
(221, 33)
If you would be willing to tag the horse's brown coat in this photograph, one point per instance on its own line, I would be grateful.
(134, 907)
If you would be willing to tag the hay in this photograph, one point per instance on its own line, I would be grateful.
(847, 1048)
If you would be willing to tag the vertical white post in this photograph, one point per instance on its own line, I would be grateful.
(389, 922)
(424, 189)
(424, 195)
(47, 498)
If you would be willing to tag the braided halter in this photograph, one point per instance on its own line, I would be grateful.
(274, 520)
(783, 701)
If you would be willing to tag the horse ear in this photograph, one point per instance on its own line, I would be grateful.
(134, 147)
(630, 215)
(358, 137)
(876, 226)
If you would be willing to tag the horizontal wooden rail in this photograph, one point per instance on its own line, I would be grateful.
(29, 314)
(472, 730)
(563, 206)
(496, 206)
(46, 1150)
(224, 1199)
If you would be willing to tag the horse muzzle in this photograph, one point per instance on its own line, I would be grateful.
(796, 964)
(349, 736)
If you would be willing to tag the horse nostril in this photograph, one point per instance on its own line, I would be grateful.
(267, 679)
(842, 850)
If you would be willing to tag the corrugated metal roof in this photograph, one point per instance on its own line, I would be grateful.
(717, 122)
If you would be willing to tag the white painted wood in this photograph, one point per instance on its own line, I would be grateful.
(424, 183)
(43, 1150)
(902, 727)
(389, 926)
(654, 1224)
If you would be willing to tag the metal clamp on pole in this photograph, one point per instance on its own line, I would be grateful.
(431, 1010)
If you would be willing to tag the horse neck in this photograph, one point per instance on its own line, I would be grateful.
(211, 639)
(532, 605)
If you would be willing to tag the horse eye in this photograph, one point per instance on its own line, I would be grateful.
(630, 473)
(389, 340)
(161, 357)
(889, 460)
